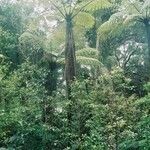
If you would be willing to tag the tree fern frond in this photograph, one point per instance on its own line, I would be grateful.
(130, 18)
(131, 7)
(136, 9)
(84, 19)
(113, 22)
(96, 5)
(146, 5)
(114, 26)
(61, 61)
(88, 52)
(88, 61)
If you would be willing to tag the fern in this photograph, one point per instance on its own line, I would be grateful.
(96, 5)
(92, 62)
(86, 56)
(128, 13)
(88, 52)
(135, 10)
(113, 27)
(84, 19)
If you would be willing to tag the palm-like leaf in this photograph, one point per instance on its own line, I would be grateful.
(111, 28)
(92, 62)
(96, 5)
(129, 12)
(86, 56)
(135, 10)
(84, 19)
(88, 52)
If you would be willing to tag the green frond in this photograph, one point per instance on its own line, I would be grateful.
(84, 19)
(131, 18)
(136, 9)
(28, 38)
(113, 27)
(131, 7)
(96, 5)
(109, 25)
(146, 5)
(85, 56)
(87, 52)
(88, 61)
(130, 12)
(61, 61)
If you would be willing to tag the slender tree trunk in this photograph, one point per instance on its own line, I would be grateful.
(70, 59)
(147, 27)
(148, 37)
(70, 62)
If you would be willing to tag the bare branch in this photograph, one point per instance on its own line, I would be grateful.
(117, 58)
(128, 58)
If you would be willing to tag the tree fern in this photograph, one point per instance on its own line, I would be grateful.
(96, 5)
(111, 28)
(87, 52)
(129, 12)
(86, 56)
(87, 61)
(135, 10)
(84, 19)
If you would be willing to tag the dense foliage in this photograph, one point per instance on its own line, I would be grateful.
(74, 75)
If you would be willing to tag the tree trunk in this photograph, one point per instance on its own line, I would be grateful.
(148, 37)
(147, 27)
(70, 59)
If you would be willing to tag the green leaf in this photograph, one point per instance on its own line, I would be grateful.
(96, 5)
(88, 52)
(84, 19)
(88, 61)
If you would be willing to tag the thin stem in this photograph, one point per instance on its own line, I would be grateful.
(134, 6)
(58, 8)
(82, 8)
(64, 7)
(70, 6)
(71, 12)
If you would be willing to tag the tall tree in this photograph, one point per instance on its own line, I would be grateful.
(131, 12)
(70, 10)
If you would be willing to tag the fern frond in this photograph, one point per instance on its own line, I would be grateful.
(88, 52)
(86, 56)
(146, 6)
(88, 61)
(96, 5)
(61, 61)
(84, 19)
(113, 27)
(136, 9)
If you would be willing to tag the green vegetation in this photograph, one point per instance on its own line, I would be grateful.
(75, 75)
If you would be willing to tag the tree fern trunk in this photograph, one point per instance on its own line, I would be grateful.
(70, 59)
(147, 27)
(148, 37)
